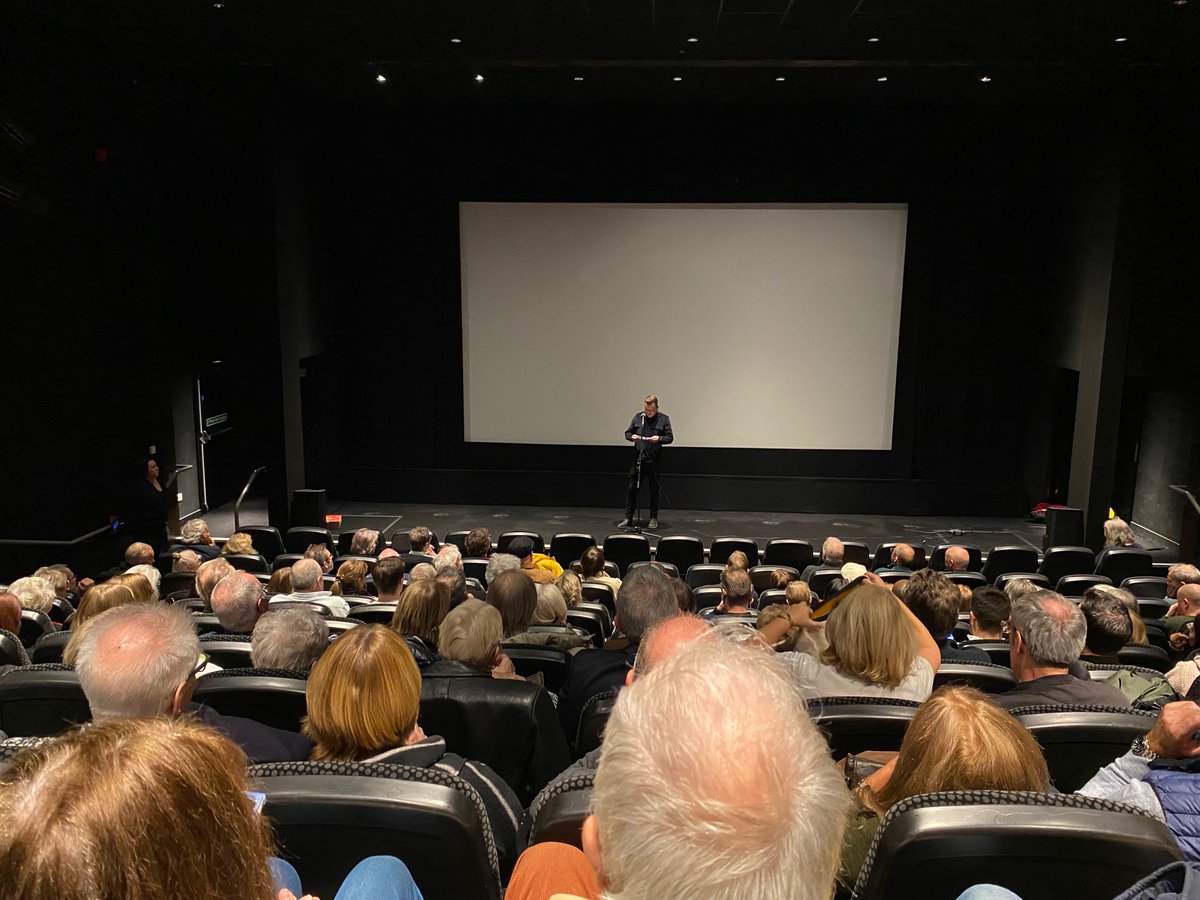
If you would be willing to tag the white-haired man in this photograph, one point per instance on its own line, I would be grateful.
(656, 811)
(141, 660)
(194, 535)
(238, 601)
(209, 575)
(290, 638)
(308, 587)
(449, 557)
(833, 553)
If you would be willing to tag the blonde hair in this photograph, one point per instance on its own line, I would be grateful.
(798, 592)
(363, 695)
(650, 398)
(57, 578)
(737, 560)
(102, 597)
(1117, 533)
(239, 542)
(352, 576)
(960, 740)
(85, 816)
(471, 633)
(869, 638)
(143, 590)
(572, 588)
(421, 608)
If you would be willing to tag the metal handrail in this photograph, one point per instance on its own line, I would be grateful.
(1191, 498)
(23, 542)
(242, 496)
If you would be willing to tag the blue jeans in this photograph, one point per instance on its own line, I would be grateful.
(375, 878)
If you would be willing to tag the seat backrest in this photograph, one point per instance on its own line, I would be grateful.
(273, 697)
(1060, 561)
(50, 648)
(476, 567)
(300, 538)
(330, 816)
(997, 651)
(1125, 562)
(177, 581)
(552, 663)
(707, 596)
(1152, 609)
(680, 550)
(458, 539)
(12, 651)
(789, 552)
(988, 677)
(507, 537)
(41, 701)
(266, 539)
(600, 592)
(1146, 657)
(819, 580)
(1075, 585)
(970, 579)
(371, 562)
(284, 560)
(1079, 741)
(589, 621)
(760, 576)
(206, 623)
(722, 547)
(937, 558)
(568, 546)
(883, 555)
(33, 625)
(703, 574)
(623, 549)
(1036, 578)
(1036, 845)
(1002, 560)
(855, 724)
(249, 562)
(1151, 586)
(401, 544)
(497, 722)
(560, 811)
(194, 604)
(856, 552)
(227, 650)
(593, 719)
(375, 613)
(338, 626)
(771, 596)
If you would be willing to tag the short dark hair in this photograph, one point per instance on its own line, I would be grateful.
(591, 562)
(737, 587)
(933, 599)
(683, 595)
(1109, 625)
(991, 607)
(388, 575)
(418, 537)
(478, 543)
(646, 598)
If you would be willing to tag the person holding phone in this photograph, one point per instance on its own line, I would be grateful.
(650, 431)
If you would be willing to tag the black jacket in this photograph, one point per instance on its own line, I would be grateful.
(262, 743)
(588, 673)
(659, 425)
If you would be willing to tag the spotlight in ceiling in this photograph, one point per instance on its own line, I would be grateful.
(985, 78)
(677, 78)
(1120, 40)
(693, 40)
(218, 6)
(1181, 2)
(780, 78)
(579, 78)
(381, 78)
(872, 40)
(881, 78)
(479, 79)
(456, 40)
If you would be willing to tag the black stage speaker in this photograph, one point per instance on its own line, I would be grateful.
(308, 507)
(1064, 527)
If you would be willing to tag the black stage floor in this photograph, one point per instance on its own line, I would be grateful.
(984, 532)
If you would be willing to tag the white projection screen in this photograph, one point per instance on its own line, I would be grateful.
(758, 326)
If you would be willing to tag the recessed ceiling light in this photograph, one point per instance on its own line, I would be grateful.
(381, 78)
(1181, 2)
(579, 78)
(218, 6)
(780, 78)
(986, 78)
(677, 78)
(479, 79)
(693, 40)
(456, 40)
(872, 40)
(1120, 40)
(881, 78)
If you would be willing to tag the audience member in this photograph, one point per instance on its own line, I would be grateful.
(833, 553)
(153, 578)
(645, 599)
(1046, 635)
(422, 571)
(1135, 614)
(959, 740)
(101, 598)
(1017, 588)
(798, 592)
(322, 555)
(238, 601)
(307, 580)
(958, 559)
(421, 548)
(1187, 603)
(989, 612)
(571, 586)
(876, 647)
(900, 588)
(664, 823)
(902, 560)
(456, 584)
(776, 612)
(1117, 533)
(419, 613)
(281, 581)
(591, 566)
(141, 660)
(389, 579)
(352, 576)
(75, 587)
(551, 606)
(239, 542)
(470, 636)
(478, 543)
(373, 661)
(1159, 775)
(194, 535)
(291, 638)
(964, 599)
(136, 554)
(738, 560)
(684, 597)
(365, 542)
(448, 559)
(516, 597)
(34, 593)
(185, 561)
(933, 599)
(207, 577)
(57, 578)
(10, 612)
(781, 578)
(149, 808)
(736, 594)
(1181, 574)
(387, 553)
(541, 568)
(1109, 626)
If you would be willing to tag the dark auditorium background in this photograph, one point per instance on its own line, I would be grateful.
(235, 186)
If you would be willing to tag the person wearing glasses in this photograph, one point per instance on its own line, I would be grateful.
(142, 660)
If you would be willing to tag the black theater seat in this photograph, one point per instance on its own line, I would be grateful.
(855, 724)
(680, 550)
(987, 677)
(721, 548)
(1078, 741)
(789, 552)
(567, 547)
(34, 624)
(273, 697)
(229, 651)
(623, 549)
(41, 701)
(50, 648)
(592, 721)
(1060, 561)
(1007, 560)
(559, 813)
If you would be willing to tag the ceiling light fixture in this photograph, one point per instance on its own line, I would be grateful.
(693, 40)
(881, 78)
(1181, 2)
(381, 78)
(677, 78)
(986, 78)
(872, 40)
(780, 78)
(456, 40)
(479, 79)
(1120, 40)
(579, 78)
(218, 6)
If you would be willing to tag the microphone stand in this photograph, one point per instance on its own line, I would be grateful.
(636, 526)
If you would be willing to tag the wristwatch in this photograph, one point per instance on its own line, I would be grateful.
(1141, 749)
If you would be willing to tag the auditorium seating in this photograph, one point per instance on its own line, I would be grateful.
(1149, 586)
(789, 552)
(194, 604)
(401, 544)
(1006, 560)
(567, 547)
(721, 548)
(274, 697)
(988, 677)
(206, 623)
(1145, 657)
(329, 816)
(476, 567)
(41, 700)
(300, 538)
(1152, 609)
(937, 558)
(585, 620)
(970, 579)
(707, 596)
(373, 613)
(1078, 741)
(856, 724)
(590, 731)
(552, 663)
(507, 537)
(1119, 563)
(623, 549)
(266, 539)
(610, 568)
(229, 651)
(819, 580)
(12, 652)
(34, 624)
(856, 552)
(1035, 577)
(664, 567)
(1058, 562)
(371, 561)
(997, 651)
(50, 647)
(703, 574)
(760, 576)
(600, 592)
(174, 582)
(560, 812)
(1040, 846)
(772, 595)
(883, 555)
(1075, 585)
(600, 610)
(248, 562)
(458, 539)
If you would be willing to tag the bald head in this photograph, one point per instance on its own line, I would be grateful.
(138, 554)
(903, 555)
(1187, 600)
(833, 551)
(306, 576)
(957, 559)
(10, 612)
(666, 639)
(238, 600)
(209, 574)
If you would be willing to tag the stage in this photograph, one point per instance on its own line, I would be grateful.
(984, 532)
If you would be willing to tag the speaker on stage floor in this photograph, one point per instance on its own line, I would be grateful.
(1064, 527)
(308, 507)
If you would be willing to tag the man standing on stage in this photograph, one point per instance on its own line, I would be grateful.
(649, 430)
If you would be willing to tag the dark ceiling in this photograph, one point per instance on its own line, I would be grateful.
(693, 50)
